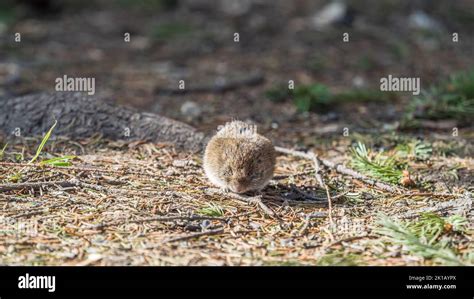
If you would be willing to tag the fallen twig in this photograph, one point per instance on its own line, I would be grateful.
(318, 176)
(308, 217)
(307, 195)
(322, 184)
(249, 199)
(79, 168)
(196, 235)
(285, 176)
(350, 239)
(340, 169)
(158, 219)
(29, 185)
(459, 206)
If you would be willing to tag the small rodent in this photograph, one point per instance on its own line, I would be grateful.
(238, 159)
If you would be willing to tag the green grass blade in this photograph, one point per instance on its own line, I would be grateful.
(2, 151)
(43, 142)
(59, 161)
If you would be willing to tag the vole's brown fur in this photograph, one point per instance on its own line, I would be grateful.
(238, 159)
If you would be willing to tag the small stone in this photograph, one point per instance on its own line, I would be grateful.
(255, 225)
(358, 82)
(169, 172)
(286, 242)
(205, 224)
(180, 163)
(329, 14)
(95, 54)
(421, 20)
(235, 7)
(9, 73)
(140, 42)
(191, 110)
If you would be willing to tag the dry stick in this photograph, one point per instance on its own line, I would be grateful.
(321, 183)
(340, 169)
(306, 195)
(158, 219)
(249, 199)
(169, 218)
(37, 211)
(430, 194)
(349, 239)
(11, 198)
(312, 199)
(78, 168)
(19, 186)
(308, 218)
(196, 235)
(284, 176)
(311, 156)
(460, 206)
(297, 202)
(68, 183)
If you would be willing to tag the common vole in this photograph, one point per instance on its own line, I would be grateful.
(238, 159)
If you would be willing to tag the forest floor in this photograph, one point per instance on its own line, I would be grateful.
(145, 204)
(102, 202)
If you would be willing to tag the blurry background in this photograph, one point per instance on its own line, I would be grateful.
(424, 143)
(336, 83)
